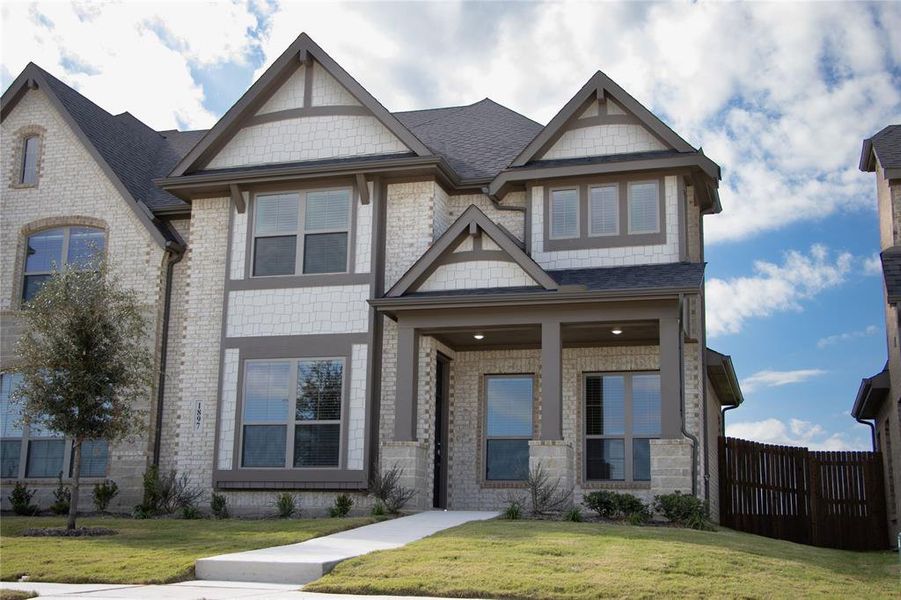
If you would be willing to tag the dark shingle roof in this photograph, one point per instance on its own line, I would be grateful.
(136, 153)
(887, 146)
(635, 277)
(477, 141)
(891, 270)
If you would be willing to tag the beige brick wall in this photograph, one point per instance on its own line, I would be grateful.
(714, 428)
(512, 220)
(410, 226)
(72, 189)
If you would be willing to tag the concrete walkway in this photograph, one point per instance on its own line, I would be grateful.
(305, 562)
(188, 590)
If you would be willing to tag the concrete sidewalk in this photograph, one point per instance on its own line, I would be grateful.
(305, 562)
(188, 590)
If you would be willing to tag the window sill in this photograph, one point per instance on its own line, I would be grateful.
(616, 485)
(503, 485)
(261, 282)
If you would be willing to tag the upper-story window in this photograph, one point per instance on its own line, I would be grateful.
(30, 150)
(604, 214)
(50, 249)
(302, 232)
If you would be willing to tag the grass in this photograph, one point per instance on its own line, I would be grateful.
(555, 560)
(144, 551)
(16, 595)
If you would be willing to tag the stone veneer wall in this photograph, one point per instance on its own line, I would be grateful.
(608, 257)
(72, 189)
(199, 388)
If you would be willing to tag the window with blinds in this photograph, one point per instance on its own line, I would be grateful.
(603, 209)
(564, 213)
(508, 426)
(311, 389)
(622, 415)
(310, 230)
(644, 207)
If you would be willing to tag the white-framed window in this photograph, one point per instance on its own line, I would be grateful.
(509, 401)
(622, 415)
(305, 232)
(32, 451)
(291, 414)
(564, 213)
(603, 210)
(48, 250)
(31, 146)
(644, 207)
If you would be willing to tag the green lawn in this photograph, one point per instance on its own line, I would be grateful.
(144, 551)
(550, 560)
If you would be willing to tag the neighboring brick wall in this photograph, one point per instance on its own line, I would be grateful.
(298, 311)
(603, 140)
(512, 220)
(475, 275)
(199, 388)
(410, 226)
(72, 189)
(249, 503)
(608, 257)
(693, 225)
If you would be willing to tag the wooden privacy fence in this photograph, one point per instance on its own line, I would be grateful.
(830, 499)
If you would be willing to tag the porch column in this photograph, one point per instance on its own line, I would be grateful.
(551, 381)
(406, 396)
(670, 379)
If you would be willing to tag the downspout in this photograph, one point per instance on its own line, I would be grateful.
(175, 254)
(728, 408)
(872, 427)
(694, 439)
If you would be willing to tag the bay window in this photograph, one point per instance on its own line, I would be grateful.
(509, 400)
(622, 415)
(292, 413)
(302, 232)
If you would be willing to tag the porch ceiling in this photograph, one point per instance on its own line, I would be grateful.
(633, 333)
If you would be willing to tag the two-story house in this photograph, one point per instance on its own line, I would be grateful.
(878, 401)
(335, 288)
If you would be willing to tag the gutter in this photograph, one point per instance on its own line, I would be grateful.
(175, 255)
(872, 427)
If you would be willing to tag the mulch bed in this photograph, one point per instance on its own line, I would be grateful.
(60, 532)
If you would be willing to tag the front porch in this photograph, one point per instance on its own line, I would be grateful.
(483, 393)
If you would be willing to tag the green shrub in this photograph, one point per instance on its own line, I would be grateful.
(103, 494)
(385, 487)
(343, 504)
(546, 495)
(684, 509)
(20, 500)
(574, 514)
(378, 509)
(62, 497)
(286, 505)
(602, 502)
(219, 506)
(166, 493)
(190, 512)
(513, 512)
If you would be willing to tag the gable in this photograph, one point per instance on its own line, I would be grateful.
(305, 107)
(603, 128)
(474, 253)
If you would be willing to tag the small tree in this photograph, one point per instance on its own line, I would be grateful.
(85, 363)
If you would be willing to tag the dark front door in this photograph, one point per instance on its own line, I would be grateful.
(442, 380)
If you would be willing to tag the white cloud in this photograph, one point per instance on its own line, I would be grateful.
(796, 433)
(769, 378)
(774, 288)
(872, 265)
(839, 338)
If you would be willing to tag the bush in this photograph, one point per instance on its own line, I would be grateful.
(378, 509)
(166, 493)
(513, 512)
(190, 512)
(286, 505)
(343, 504)
(574, 514)
(20, 500)
(62, 497)
(602, 502)
(546, 495)
(103, 494)
(385, 486)
(639, 517)
(219, 506)
(684, 509)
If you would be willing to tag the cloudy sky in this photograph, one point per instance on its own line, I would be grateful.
(780, 95)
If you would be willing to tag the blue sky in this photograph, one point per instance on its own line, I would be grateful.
(780, 95)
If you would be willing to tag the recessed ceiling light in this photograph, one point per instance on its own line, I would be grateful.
(479, 336)
(616, 331)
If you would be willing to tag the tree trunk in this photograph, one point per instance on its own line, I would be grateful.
(76, 475)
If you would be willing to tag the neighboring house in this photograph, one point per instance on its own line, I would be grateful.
(879, 396)
(335, 288)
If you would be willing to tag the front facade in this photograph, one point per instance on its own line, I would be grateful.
(878, 401)
(335, 289)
